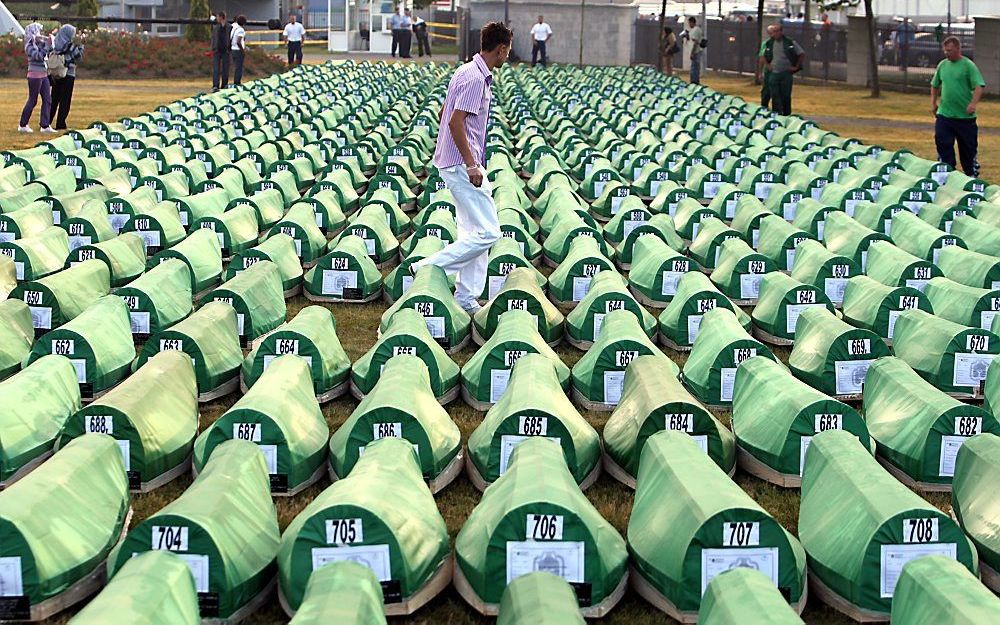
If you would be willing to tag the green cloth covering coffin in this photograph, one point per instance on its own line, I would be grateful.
(156, 436)
(607, 293)
(818, 266)
(401, 405)
(98, 343)
(740, 270)
(430, 295)
(236, 229)
(540, 598)
(534, 406)
(256, 296)
(652, 402)
(782, 299)
(524, 524)
(967, 305)
(974, 500)
(874, 306)
(722, 345)
(893, 266)
(571, 280)
(280, 250)
(158, 298)
(203, 256)
(210, 338)
(224, 526)
(520, 291)
(776, 415)
(917, 428)
(860, 526)
(695, 295)
(312, 336)
(345, 273)
(37, 402)
(281, 415)
(936, 589)
(952, 357)
(746, 596)
(599, 376)
(16, 335)
(155, 588)
(39, 255)
(81, 490)
(343, 591)
(124, 255)
(381, 515)
(486, 375)
(970, 268)
(406, 334)
(63, 296)
(833, 356)
(708, 525)
(656, 270)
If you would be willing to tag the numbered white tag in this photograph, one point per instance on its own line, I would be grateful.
(741, 534)
(247, 432)
(344, 531)
(533, 426)
(387, 430)
(169, 538)
(920, 530)
(101, 424)
(681, 422)
(544, 527)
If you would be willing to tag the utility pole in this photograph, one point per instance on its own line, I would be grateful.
(583, 12)
(663, 20)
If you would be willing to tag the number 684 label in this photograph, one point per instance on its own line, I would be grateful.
(741, 534)
(544, 527)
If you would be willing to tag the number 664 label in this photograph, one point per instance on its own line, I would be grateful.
(544, 527)
(741, 534)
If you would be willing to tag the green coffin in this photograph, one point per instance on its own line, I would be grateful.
(952, 357)
(280, 250)
(677, 545)
(534, 406)
(539, 597)
(39, 255)
(224, 526)
(973, 497)
(818, 266)
(520, 291)
(341, 592)
(877, 520)
(155, 437)
(584, 259)
(257, 297)
(745, 596)
(833, 356)
(967, 305)
(722, 345)
(970, 268)
(202, 253)
(16, 335)
(782, 299)
(656, 270)
(607, 293)
(346, 272)
(695, 295)
(935, 589)
(430, 295)
(124, 255)
(522, 518)
(740, 270)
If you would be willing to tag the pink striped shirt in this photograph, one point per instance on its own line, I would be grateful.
(470, 90)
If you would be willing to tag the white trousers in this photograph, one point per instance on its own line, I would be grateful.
(478, 230)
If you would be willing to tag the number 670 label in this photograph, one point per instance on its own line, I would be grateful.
(544, 527)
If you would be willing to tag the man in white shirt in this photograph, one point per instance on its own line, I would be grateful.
(294, 33)
(540, 35)
(238, 48)
(695, 34)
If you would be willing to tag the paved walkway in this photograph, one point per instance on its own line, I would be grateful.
(877, 122)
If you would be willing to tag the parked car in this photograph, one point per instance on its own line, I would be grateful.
(925, 51)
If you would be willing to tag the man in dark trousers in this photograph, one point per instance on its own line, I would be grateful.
(956, 88)
(783, 57)
(420, 31)
(221, 42)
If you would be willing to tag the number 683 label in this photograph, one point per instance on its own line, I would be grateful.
(544, 527)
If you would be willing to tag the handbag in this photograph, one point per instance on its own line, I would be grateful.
(56, 64)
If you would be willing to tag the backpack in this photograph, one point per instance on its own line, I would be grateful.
(56, 64)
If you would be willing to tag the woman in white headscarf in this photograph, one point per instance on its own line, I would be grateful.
(63, 79)
(36, 48)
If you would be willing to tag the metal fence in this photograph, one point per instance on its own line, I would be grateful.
(733, 46)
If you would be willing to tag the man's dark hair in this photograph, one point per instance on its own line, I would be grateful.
(952, 39)
(692, 21)
(221, 14)
(495, 34)
(241, 20)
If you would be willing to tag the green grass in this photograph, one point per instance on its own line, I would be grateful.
(357, 326)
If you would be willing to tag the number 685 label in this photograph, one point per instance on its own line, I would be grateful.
(544, 527)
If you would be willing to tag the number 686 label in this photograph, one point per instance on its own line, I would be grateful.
(741, 534)
(544, 527)
(920, 530)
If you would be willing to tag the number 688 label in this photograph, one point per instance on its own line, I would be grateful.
(544, 527)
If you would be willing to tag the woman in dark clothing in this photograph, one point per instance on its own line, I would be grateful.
(62, 86)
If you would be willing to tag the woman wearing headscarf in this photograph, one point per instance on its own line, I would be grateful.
(36, 48)
(63, 79)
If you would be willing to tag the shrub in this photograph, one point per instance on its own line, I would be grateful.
(198, 32)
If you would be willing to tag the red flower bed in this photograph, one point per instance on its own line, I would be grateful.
(114, 54)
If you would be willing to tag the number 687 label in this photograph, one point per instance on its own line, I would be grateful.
(544, 527)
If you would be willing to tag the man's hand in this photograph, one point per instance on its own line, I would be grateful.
(475, 175)
(971, 109)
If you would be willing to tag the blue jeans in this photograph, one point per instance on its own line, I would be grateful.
(696, 68)
(536, 50)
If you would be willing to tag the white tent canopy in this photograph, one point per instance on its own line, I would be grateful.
(9, 25)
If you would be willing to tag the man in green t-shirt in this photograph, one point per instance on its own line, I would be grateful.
(955, 91)
(762, 72)
(783, 57)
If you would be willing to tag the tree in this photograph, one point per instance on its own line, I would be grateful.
(872, 50)
(87, 8)
(760, 40)
(199, 32)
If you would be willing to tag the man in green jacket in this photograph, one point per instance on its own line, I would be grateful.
(782, 58)
(956, 88)
(762, 73)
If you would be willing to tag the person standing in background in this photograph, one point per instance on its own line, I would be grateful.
(238, 48)
(405, 35)
(221, 38)
(695, 36)
(540, 35)
(763, 73)
(396, 26)
(420, 31)
(783, 57)
(459, 156)
(62, 86)
(36, 48)
(956, 88)
(670, 48)
(294, 33)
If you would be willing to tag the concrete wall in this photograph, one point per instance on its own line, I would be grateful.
(988, 51)
(607, 28)
(858, 45)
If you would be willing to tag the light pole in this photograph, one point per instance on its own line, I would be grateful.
(583, 11)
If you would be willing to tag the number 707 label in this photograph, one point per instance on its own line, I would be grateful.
(741, 534)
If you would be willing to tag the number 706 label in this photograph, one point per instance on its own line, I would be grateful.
(544, 527)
